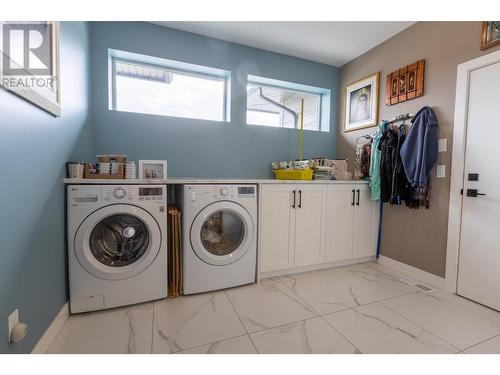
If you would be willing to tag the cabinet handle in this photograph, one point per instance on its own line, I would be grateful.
(294, 195)
(353, 192)
(300, 198)
(357, 202)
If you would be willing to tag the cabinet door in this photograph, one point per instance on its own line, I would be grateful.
(339, 222)
(366, 219)
(276, 227)
(309, 225)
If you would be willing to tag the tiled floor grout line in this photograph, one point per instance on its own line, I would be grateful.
(208, 343)
(300, 298)
(321, 316)
(152, 329)
(340, 333)
(276, 281)
(479, 343)
(418, 325)
(239, 318)
(377, 301)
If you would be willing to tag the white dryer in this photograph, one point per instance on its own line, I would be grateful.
(219, 236)
(117, 245)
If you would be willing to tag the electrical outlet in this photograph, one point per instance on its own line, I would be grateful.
(442, 143)
(13, 320)
(441, 171)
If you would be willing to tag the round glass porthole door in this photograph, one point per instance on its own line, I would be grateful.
(222, 233)
(117, 242)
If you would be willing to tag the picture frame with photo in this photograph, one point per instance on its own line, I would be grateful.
(361, 103)
(153, 169)
(490, 36)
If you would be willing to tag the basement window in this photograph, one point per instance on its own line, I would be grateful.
(145, 84)
(278, 104)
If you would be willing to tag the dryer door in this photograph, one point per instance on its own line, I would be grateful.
(222, 233)
(117, 242)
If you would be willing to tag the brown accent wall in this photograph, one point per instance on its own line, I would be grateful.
(417, 237)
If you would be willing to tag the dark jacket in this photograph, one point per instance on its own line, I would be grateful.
(393, 182)
(419, 152)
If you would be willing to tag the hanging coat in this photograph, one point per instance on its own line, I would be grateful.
(393, 182)
(375, 163)
(419, 152)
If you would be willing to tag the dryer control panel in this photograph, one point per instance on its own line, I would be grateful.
(196, 193)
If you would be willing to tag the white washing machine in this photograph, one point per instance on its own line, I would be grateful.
(117, 245)
(219, 236)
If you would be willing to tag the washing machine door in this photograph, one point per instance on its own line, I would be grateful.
(117, 242)
(222, 233)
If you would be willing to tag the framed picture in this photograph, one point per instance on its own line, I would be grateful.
(29, 62)
(405, 83)
(491, 34)
(153, 169)
(361, 103)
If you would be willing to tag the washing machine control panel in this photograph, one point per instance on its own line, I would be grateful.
(132, 193)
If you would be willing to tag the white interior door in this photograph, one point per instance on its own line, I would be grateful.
(366, 218)
(339, 222)
(277, 227)
(479, 259)
(309, 222)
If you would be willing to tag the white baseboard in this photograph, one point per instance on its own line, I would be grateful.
(50, 334)
(424, 276)
(316, 267)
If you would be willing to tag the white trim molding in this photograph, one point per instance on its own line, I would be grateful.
(457, 167)
(50, 334)
(421, 275)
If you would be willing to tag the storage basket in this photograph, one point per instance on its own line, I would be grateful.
(294, 174)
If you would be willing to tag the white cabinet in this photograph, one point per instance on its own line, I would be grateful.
(292, 225)
(351, 223)
(366, 218)
(339, 222)
(307, 225)
(277, 228)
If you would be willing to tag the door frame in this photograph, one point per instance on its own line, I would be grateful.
(458, 161)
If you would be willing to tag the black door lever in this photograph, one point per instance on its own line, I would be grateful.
(473, 193)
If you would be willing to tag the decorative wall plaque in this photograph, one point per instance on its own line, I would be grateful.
(405, 83)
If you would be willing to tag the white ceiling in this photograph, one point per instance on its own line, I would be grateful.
(334, 42)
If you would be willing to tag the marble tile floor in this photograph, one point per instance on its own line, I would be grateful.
(362, 308)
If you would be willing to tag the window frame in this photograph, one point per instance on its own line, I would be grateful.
(323, 94)
(138, 59)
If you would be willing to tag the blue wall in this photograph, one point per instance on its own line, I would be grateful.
(34, 147)
(201, 148)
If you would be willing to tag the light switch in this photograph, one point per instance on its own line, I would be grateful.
(441, 171)
(442, 143)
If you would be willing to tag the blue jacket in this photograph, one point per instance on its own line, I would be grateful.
(420, 149)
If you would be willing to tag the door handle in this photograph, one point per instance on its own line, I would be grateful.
(357, 201)
(473, 193)
(294, 197)
(353, 193)
(300, 198)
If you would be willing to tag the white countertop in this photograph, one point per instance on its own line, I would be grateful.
(192, 180)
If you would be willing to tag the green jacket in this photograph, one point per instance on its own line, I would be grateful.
(375, 163)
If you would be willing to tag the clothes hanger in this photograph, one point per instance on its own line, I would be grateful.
(366, 136)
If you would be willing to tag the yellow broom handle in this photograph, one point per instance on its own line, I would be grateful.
(301, 140)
